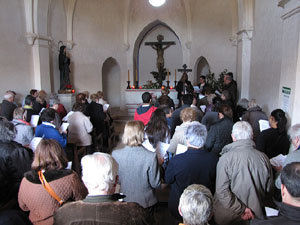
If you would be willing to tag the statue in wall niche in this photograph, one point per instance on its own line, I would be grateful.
(64, 68)
(160, 46)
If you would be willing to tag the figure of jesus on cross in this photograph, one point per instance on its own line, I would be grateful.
(160, 46)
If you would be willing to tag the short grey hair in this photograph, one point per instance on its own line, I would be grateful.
(196, 205)
(294, 131)
(242, 130)
(243, 103)
(252, 104)
(196, 134)
(8, 95)
(7, 130)
(53, 101)
(99, 171)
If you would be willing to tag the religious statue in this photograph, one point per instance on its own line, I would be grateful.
(64, 64)
(160, 46)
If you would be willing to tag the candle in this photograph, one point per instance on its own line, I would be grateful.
(175, 74)
(168, 72)
(136, 75)
(128, 75)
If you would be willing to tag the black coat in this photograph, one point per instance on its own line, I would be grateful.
(15, 160)
(97, 116)
(180, 88)
(6, 109)
(195, 166)
(219, 135)
(273, 143)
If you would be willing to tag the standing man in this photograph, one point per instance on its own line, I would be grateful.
(244, 179)
(231, 87)
(7, 106)
(144, 112)
(195, 166)
(289, 208)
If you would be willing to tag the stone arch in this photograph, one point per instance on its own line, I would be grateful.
(111, 76)
(201, 68)
(140, 38)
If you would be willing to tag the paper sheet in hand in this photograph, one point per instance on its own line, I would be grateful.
(278, 160)
(161, 149)
(69, 166)
(196, 89)
(34, 143)
(271, 211)
(217, 92)
(263, 125)
(34, 120)
(67, 116)
(105, 107)
(203, 107)
(181, 149)
(64, 127)
(148, 146)
(201, 96)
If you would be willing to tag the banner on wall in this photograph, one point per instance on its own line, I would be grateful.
(286, 93)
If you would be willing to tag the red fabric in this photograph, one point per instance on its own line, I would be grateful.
(61, 111)
(145, 117)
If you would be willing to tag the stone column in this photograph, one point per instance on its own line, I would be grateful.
(290, 64)
(244, 38)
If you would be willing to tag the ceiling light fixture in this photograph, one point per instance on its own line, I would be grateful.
(157, 3)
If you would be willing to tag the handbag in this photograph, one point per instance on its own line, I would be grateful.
(49, 189)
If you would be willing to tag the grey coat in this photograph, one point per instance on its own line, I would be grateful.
(25, 133)
(244, 179)
(139, 174)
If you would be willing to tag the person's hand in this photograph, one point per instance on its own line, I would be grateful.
(247, 215)
(161, 161)
(277, 168)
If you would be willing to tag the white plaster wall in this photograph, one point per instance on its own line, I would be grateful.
(97, 33)
(211, 33)
(148, 56)
(16, 55)
(266, 54)
(57, 30)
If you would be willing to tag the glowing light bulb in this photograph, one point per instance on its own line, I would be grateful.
(157, 3)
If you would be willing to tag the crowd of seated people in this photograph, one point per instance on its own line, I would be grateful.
(225, 175)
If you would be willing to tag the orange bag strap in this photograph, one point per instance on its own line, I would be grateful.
(48, 188)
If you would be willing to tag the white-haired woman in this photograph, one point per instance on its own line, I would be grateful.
(195, 166)
(139, 173)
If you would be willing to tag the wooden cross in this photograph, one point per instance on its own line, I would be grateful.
(184, 70)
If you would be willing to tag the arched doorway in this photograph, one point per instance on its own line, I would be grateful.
(144, 57)
(202, 68)
(111, 82)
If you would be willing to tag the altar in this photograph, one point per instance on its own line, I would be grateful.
(133, 98)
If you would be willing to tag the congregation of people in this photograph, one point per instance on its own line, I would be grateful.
(220, 165)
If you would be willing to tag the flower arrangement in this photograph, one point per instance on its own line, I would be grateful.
(216, 84)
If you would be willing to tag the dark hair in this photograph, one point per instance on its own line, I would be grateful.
(230, 74)
(226, 111)
(187, 99)
(49, 155)
(78, 107)
(32, 91)
(29, 99)
(165, 108)
(163, 100)
(203, 77)
(157, 128)
(226, 93)
(290, 177)
(207, 90)
(80, 97)
(184, 77)
(146, 97)
(48, 115)
(279, 116)
(7, 130)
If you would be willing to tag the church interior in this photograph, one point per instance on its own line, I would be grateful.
(116, 47)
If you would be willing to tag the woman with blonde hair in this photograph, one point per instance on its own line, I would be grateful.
(139, 173)
(49, 162)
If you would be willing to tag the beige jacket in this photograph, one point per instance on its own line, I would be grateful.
(79, 129)
(244, 179)
(178, 137)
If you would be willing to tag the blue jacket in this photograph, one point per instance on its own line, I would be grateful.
(195, 166)
(49, 132)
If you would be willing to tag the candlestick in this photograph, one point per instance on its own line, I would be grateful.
(128, 86)
(136, 84)
(128, 75)
(175, 75)
(168, 84)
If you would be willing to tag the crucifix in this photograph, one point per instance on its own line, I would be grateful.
(184, 70)
(160, 46)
